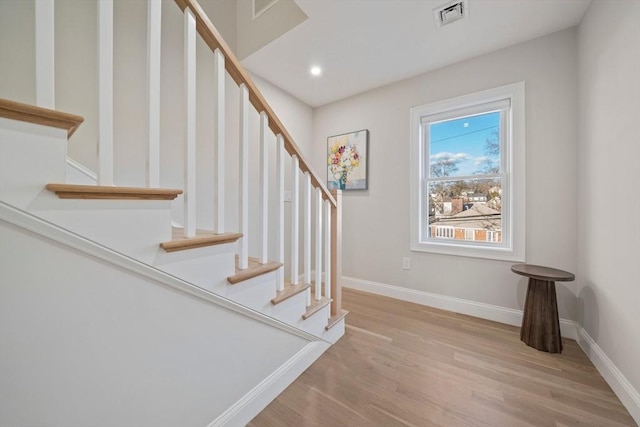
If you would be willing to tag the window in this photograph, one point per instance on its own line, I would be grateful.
(467, 175)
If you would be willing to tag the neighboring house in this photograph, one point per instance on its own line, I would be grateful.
(479, 223)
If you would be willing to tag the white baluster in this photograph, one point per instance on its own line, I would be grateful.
(154, 35)
(327, 249)
(318, 244)
(307, 233)
(264, 187)
(295, 218)
(190, 136)
(105, 92)
(243, 196)
(280, 180)
(45, 53)
(219, 118)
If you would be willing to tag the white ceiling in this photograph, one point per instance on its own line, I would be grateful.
(363, 44)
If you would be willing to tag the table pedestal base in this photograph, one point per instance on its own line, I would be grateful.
(540, 323)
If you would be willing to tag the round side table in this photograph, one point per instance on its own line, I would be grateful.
(540, 323)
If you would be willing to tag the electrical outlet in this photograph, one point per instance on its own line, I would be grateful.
(406, 263)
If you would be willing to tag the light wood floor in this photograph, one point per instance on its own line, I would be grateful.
(402, 364)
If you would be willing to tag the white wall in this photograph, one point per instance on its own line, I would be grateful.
(608, 184)
(376, 221)
(17, 51)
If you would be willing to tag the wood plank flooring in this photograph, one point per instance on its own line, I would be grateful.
(402, 364)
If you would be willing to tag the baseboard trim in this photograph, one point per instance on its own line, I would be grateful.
(472, 308)
(628, 395)
(250, 405)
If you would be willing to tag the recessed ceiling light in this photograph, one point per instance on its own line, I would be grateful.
(316, 71)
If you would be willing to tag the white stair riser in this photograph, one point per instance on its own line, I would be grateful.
(31, 156)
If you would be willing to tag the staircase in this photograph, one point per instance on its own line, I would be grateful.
(135, 229)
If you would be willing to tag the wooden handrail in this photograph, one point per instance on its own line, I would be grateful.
(214, 40)
(41, 116)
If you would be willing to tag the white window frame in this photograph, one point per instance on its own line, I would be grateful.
(513, 172)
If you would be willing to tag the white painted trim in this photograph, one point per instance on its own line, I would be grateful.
(45, 53)
(628, 395)
(513, 218)
(82, 169)
(245, 409)
(29, 222)
(496, 313)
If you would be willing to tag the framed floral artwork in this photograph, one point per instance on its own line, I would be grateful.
(347, 160)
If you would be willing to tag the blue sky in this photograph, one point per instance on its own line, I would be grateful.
(463, 140)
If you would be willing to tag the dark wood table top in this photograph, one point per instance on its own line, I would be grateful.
(542, 273)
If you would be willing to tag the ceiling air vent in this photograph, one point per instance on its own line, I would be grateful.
(261, 6)
(450, 12)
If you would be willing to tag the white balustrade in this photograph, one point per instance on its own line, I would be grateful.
(190, 128)
(318, 263)
(243, 196)
(327, 249)
(280, 180)
(264, 188)
(295, 218)
(307, 233)
(105, 92)
(154, 36)
(219, 123)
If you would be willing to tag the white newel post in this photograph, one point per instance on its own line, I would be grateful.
(318, 235)
(45, 53)
(154, 36)
(307, 233)
(218, 119)
(264, 188)
(105, 92)
(243, 197)
(280, 180)
(190, 136)
(295, 218)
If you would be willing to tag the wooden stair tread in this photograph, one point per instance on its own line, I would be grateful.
(289, 291)
(69, 191)
(255, 269)
(202, 238)
(316, 306)
(334, 320)
(39, 115)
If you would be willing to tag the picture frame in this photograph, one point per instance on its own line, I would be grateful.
(347, 161)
